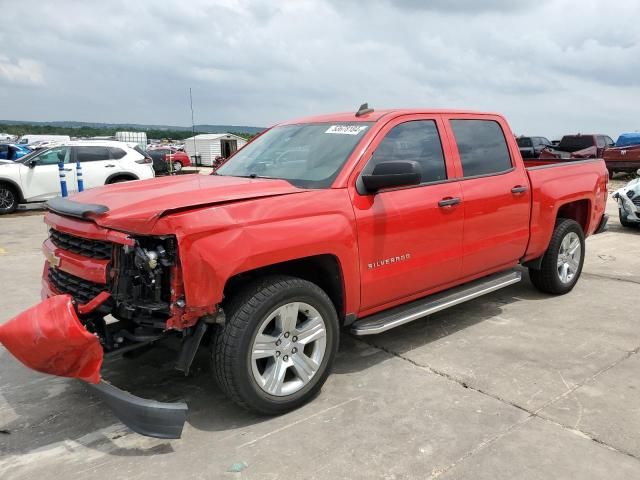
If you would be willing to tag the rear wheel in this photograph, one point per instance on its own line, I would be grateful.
(562, 262)
(8, 198)
(277, 346)
(177, 166)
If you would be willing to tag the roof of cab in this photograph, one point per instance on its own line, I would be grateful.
(377, 115)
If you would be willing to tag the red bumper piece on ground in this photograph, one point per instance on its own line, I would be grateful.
(49, 338)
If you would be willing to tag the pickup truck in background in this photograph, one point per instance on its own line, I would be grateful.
(530, 147)
(624, 156)
(577, 147)
(364, 221)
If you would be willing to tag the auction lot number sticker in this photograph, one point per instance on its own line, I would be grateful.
(346, 129)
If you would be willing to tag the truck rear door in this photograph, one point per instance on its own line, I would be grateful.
(496, 195)
(409, 240)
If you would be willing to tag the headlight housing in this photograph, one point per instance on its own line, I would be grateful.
(631, 193)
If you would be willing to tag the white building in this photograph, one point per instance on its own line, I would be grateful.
(211, 145)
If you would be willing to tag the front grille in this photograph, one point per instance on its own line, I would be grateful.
(80, 289)
(82, 246)
(636, 200)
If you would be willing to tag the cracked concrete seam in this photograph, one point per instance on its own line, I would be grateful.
(531, 413)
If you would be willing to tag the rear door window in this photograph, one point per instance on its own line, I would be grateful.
(91, 154)
(482, 147)
(417, 141)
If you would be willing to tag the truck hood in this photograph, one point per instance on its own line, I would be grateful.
(136, 206)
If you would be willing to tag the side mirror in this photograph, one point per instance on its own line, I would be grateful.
(32, 163)
(392, 174)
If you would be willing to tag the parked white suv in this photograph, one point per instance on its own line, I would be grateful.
(35, 177)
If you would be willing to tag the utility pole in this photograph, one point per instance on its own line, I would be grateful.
(193, 130)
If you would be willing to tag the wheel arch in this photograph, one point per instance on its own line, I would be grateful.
(323, 270)
(15, 186)
(578, 210)
(121, 175)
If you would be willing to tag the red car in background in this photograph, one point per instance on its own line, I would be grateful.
(171, 154)
(577, 147)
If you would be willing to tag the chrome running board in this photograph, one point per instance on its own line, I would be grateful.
(394, 317)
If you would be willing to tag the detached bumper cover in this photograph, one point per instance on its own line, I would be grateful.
(50, 338)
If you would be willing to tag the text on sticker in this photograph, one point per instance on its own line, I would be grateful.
(346, 129)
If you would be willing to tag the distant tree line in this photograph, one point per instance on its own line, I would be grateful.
(23, 129)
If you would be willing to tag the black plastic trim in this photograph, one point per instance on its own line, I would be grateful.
(64, 206)
(146, 417)
(602, 227)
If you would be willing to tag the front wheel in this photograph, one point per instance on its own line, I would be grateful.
(562, 262)
(177, 166)
(8, 198)
(277, 346)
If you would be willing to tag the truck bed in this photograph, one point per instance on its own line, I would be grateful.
(562, 182)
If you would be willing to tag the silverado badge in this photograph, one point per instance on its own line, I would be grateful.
(389, 261)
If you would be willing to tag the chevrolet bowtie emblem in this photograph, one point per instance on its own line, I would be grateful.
(52, 258)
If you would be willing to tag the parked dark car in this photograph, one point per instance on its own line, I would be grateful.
(160, 164)
(530, 147)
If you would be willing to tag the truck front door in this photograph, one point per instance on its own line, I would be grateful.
(495, 195)
(409, 240)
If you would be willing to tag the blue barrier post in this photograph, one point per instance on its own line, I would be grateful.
(79, 176)
(63, 180)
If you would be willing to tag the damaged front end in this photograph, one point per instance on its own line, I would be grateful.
(106, 293)
(628, 198)
(51, 338)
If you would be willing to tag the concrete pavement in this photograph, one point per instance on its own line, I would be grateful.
(513, 385)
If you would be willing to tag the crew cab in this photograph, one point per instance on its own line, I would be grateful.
(36, 177)
(578, 147)
(363, 221)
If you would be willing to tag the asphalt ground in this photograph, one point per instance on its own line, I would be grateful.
(514, 385)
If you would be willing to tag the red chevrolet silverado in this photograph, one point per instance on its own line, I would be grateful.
(366, 221)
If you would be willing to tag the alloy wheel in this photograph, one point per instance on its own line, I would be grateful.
(7, 198)
(288, 348)
(569, 257)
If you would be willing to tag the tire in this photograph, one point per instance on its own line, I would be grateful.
(550, 278)
(624, 222)
(177, 167)
(8, 198)
(257, 309)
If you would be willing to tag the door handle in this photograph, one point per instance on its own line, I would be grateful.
(109, 166)
(519, 189)
(449, 202)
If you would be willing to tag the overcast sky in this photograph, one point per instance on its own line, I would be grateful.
(552, 67)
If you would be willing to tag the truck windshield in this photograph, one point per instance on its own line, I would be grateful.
(573, 143)
(306, 155)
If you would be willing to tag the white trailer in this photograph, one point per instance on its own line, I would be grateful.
(208, 146)
(139, 138)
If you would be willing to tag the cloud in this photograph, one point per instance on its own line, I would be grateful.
(21, 72)
(551, 66)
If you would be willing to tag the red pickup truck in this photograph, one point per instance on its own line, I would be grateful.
(367, 221)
